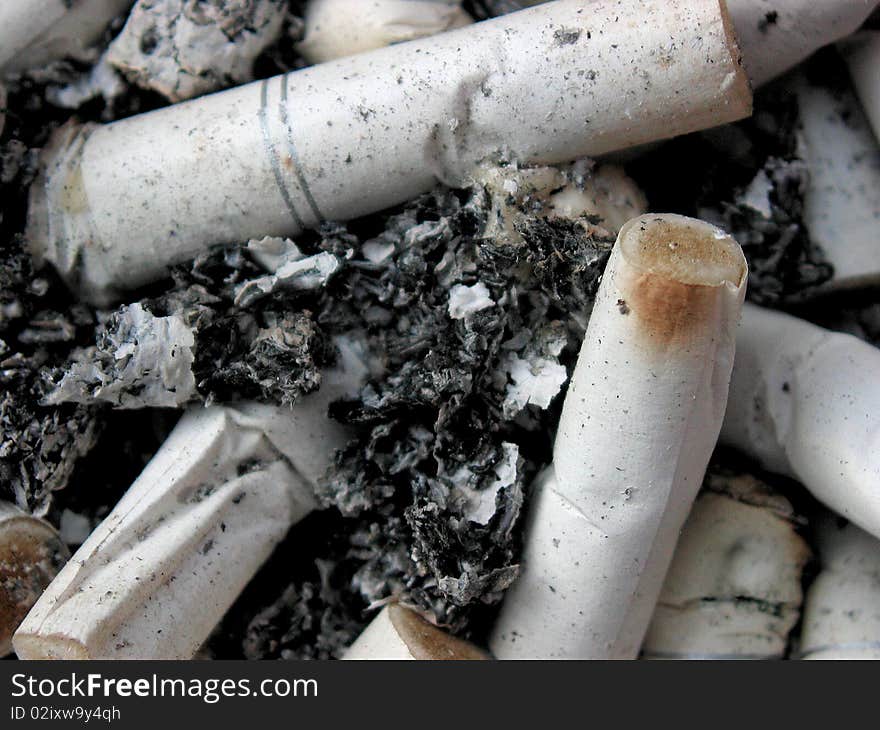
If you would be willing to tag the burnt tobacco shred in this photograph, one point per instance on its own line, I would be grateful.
(433, 428)
(39, 446)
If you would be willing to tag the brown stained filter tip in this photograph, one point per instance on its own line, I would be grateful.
(30, 557)
(676, 267)
(425, 641)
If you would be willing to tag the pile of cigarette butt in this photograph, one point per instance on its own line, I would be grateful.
(440, 329)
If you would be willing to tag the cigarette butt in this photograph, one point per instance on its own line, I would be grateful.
(842, 197)
(733, 590)
(398, 632)
(182, 49)
(117, 205)
(159, 573)
(37, 32)
(842, 609)
(31, 554)
(776, 35)
(804, 402)
(338, 28)
(638, 425)
(862, 54)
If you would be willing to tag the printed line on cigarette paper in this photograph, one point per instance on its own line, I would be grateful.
(294, 155)
(273, 155)
(845, 646)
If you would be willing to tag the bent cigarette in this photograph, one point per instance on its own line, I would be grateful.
(118, 204)
(339, 28)
(862, 54)
(31, 554)
(37, 32)
(638, 425)
(733, 590)
(842, 610)
(842, 198)
(401, 633)
(159, 573)
(776, 35)
(804, 402)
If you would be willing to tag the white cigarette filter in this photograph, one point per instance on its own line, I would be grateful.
(862, 54)
(118, 204)
(36, 32)
(31, 554)
(638, 425)
(842, 610)
(338, 28)
(398, 632)
(733, 590)
(776, 35)
(842, 198)
(158, 574)
(805, 402)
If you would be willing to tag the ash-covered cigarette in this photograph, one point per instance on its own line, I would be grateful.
(733, 590)
(159, 573)
(36, 32)
(804, 402)
(841, 615)
(639, 422)
(337, 28)
(183, 49)
(398, 632)
(119, 204)
(31, 554)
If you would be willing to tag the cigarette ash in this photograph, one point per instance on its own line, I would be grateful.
(39, 445)
(229, 329)
(748, 179)
(427, 498)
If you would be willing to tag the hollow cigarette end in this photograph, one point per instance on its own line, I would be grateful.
(31, 554)
(682, 249)
(674, 272)
(425, 641)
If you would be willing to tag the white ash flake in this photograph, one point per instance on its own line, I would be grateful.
(481, 503)
(465, 301)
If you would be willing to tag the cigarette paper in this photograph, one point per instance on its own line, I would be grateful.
(31, 554)
(157, 575)
(338, 28)
(36, 32)
(804, 402)
(118, 204)
(842, 610)
(862, 54)
(401, 633)
(638, 425)
(733, 590)
(842, 199)
(776, 35)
